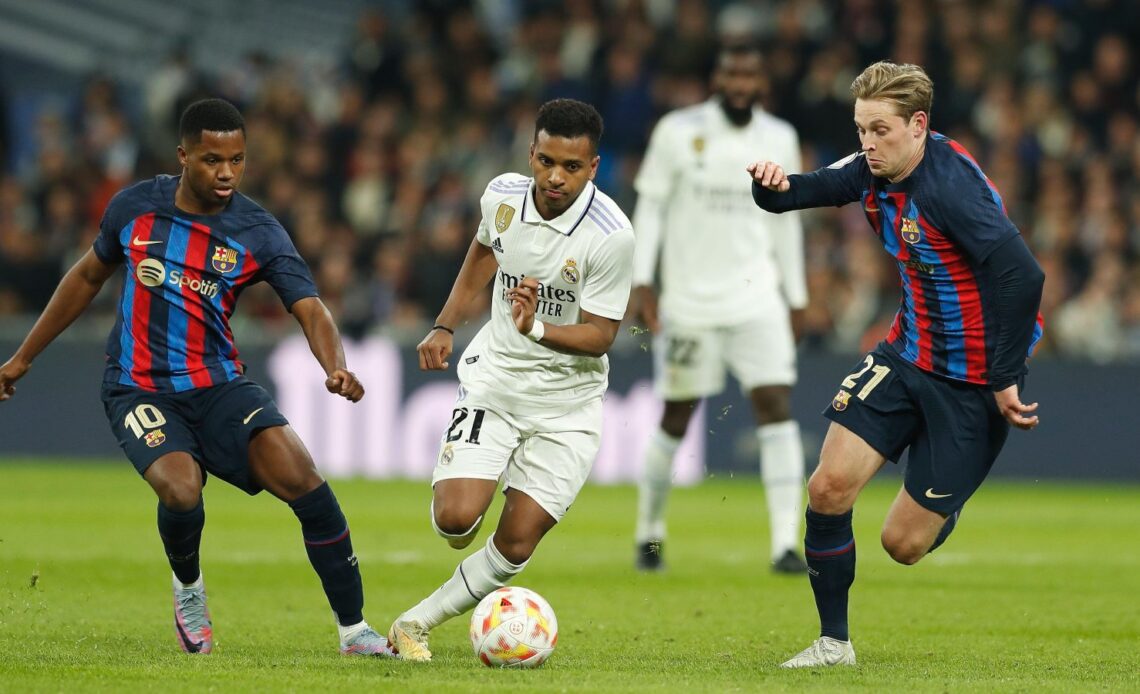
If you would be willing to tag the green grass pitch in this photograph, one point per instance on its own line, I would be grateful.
(1037, 591)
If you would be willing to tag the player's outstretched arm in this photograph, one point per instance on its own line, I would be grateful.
(324, 341)
(476, 272)
(73, 295)
(590, 338)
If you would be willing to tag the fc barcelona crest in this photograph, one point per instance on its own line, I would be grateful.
(840, 402)
(910, 232)
(224, 260)
(503, 217)
(155, 438)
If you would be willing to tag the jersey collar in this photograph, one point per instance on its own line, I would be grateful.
(566, 222)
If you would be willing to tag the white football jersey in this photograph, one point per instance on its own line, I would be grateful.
(725, 260)
(583, 260)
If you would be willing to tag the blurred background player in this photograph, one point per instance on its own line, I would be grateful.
(529, 409)
(945, 384)
(728, 278)
(174, 390)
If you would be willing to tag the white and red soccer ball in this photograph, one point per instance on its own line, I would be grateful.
(513, 627)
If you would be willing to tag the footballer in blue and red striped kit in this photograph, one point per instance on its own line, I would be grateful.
(174, 390)
(946, 382)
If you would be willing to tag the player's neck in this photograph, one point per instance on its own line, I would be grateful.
(915, 159)
(186, 201)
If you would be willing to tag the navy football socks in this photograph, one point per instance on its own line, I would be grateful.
(947, 528)
(181, 533)
(330, 552)
(829, 546)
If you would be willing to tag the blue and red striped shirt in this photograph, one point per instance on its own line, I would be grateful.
(184, 273)
(939, 223)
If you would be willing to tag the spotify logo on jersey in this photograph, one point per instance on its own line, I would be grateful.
(150, 272)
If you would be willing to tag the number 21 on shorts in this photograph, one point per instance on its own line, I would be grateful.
(879, 372)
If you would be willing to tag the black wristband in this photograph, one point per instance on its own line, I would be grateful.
(437, 326)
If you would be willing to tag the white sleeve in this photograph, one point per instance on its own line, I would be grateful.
(647, 218)
(483, 232)
(654, 185)
(605, 291)
(788, 238)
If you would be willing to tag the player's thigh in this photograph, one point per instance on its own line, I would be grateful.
(148, 426)
(962, 433)
(473, 454)
(522, 526)
(910, 529)
(762, 351)
(688, 363)
(555, 458)
(877, 418)
(230, 416)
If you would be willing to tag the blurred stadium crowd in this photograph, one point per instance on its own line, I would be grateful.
(376, 170)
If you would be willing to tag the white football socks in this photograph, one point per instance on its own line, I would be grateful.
(653, 487)
(782, 471)
(475, 577)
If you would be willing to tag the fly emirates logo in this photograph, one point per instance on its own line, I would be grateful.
(550, 299)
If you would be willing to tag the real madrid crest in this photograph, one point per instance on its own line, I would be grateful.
(446, 455)
(910, 232)
(698, 144)
(224, 260)
(570, 271)
(839, 403)
(503, 217)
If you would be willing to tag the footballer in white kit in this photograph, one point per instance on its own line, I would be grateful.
(529, 410)
(728, 278)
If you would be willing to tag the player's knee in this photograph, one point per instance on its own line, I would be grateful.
(828, 494)
(675, 418)
(772, 404)
(180, 496)
(456, 521)
(903, 548)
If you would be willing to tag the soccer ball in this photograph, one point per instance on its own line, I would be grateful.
(513, 627)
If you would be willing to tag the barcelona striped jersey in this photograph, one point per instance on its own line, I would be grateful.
(940, 223)
(184, 273)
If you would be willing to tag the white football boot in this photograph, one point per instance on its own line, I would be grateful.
(825, 651)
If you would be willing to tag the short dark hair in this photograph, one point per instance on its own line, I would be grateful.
(739, 49)
(215, 115)
(569, 118)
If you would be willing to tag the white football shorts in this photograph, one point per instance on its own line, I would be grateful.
(689, 363)
(548, 458)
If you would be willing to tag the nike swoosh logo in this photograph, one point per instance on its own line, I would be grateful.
(931, 495)
(139, 242)
(254, 413)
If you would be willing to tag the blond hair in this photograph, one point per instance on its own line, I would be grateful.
(906, 86)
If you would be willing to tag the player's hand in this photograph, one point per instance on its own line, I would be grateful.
(770, 175)
(799, 319)
(524, 302)
(344, 383)
(643, 306)
(434, 350)
(1015, 412)
(12, 371)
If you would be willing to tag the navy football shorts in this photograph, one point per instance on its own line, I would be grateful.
(212, 424)
(954, 431)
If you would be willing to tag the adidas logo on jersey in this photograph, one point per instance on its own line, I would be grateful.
(497, 245)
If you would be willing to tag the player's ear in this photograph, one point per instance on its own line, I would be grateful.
(594, 166)
(919, 122)
(182, 156)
